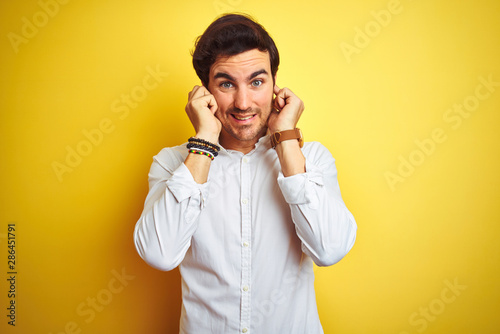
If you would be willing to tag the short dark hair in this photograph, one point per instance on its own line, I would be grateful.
(229, 35)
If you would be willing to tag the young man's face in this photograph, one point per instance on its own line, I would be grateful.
(243, 88)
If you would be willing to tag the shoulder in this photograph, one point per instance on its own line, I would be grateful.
(319, 158)
(317, 152)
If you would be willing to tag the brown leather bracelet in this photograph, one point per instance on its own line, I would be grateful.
(280, 136)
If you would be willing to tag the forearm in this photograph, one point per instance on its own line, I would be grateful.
(163, 233)
(323, 223)
(199, 166)
(162, 236)
(178, 188)
(327, 232)
(291, 159)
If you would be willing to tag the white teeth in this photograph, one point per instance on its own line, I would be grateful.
(243, 118)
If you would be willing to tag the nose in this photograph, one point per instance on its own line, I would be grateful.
(243, 99)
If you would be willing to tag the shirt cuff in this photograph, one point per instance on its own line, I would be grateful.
(182, 185)
(299, 188)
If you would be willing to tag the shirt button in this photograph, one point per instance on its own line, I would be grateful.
(246, 244)
(244, 201)
(245, 160)
(244, 330)
(245, 288)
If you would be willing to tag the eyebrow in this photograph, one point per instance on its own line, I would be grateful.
(250, 77)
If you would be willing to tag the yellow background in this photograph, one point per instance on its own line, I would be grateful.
(439, 226)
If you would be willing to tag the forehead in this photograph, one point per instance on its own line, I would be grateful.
(242, 64)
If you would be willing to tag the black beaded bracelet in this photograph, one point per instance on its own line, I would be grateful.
(203, 147)
(204, 142)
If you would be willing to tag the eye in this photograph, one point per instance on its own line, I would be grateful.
(226, 84)
(257, 83)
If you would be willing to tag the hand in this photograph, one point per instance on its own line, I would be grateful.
(201, 108)
(289, 109)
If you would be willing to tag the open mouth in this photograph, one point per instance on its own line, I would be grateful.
(243, 117)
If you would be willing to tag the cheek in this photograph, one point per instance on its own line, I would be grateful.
(224, 101)
(264, 99)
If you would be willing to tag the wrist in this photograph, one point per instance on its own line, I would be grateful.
(279, 128)
(211, 137)
(293, 135)
(291, 158)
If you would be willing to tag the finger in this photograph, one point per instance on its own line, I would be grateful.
(199, 91)
(279, 101)
(211, 103)
(276, 101)
(193, 92)
(276, 105)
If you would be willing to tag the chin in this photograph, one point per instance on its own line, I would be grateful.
(249, 135)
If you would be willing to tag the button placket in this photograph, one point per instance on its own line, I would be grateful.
(246, 255)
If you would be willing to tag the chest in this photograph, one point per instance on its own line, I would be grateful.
(245, 205)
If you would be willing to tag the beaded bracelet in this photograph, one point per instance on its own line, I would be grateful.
(203, 148)
(204, 142)
(202, 153)
(203, 145)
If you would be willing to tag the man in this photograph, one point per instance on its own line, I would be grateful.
(241, 207)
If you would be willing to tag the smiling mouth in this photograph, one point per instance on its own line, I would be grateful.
(242, 118)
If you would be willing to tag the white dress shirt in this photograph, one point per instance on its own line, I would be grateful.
(246, 239)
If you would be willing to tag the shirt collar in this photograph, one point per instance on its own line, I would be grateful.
(263, 144)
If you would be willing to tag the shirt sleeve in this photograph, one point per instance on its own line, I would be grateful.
(322, 221)
(173, 205)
